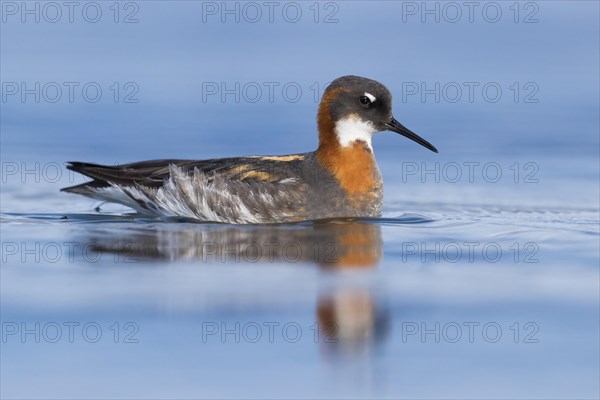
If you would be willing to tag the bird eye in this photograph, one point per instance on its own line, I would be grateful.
(364, 100)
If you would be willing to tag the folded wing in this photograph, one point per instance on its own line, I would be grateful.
(234, 190)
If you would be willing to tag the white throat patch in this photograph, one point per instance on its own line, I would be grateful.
(351, 129)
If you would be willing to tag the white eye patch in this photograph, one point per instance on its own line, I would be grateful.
(371, 97)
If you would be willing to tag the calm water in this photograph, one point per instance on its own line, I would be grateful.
(481, 279)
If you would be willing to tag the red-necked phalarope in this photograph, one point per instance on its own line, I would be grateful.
(338, 180)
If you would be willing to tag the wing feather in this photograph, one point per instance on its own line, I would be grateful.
(234, 190)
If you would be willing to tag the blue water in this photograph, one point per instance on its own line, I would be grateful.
(480, 280)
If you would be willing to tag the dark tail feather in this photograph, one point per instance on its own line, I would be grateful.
(150, 173)
(86, 189)
(99, 173)
(96, 171)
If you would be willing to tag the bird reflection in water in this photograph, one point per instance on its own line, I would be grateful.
(349, 316)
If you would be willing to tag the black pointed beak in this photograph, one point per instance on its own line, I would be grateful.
(397, 127)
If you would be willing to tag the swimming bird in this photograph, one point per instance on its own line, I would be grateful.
(340, 179)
